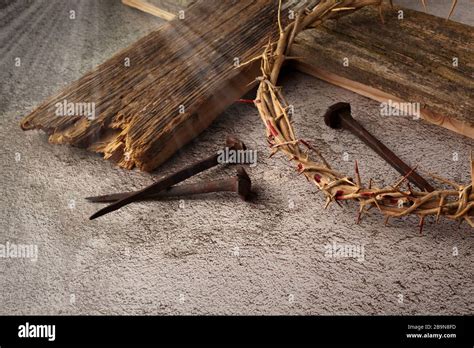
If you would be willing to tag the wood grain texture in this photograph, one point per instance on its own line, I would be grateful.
(187, 62)
(409, 60)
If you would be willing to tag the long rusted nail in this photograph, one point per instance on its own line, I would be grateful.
(339, 116)
(240, 183)
(232, 142)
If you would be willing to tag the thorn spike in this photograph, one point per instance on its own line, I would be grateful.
(472, 171)
(453, 6)
(424, 5)
(357, 174)
(421, 224)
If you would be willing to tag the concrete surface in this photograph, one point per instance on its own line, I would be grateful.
(216, 254)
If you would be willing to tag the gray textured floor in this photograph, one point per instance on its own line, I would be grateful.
(216, 255)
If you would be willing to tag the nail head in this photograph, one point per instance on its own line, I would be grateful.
(332, 116)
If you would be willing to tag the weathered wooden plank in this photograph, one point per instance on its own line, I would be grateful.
(180, 78)
(189, 62)
(409, 60)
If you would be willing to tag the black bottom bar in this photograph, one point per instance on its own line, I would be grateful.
(317, 330)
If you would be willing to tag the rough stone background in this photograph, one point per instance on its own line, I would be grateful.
(214, 254)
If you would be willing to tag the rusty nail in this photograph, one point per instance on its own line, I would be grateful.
(240, 184)
(232, 142)
(339, 116)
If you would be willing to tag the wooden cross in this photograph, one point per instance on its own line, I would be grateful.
(161, 92)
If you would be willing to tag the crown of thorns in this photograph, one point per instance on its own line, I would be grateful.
(393, 201)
